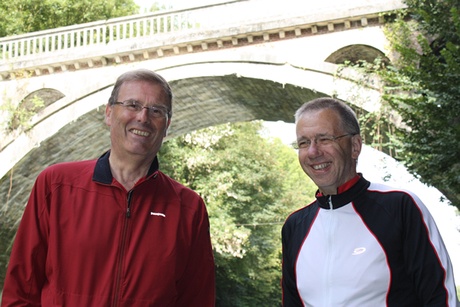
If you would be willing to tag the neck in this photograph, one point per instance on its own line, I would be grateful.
(128, 171)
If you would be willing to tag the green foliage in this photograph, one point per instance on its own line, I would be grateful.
(23, 16)
(419, 121)
(422, 86)
(250, 186)
(19, 116)
(377, 127)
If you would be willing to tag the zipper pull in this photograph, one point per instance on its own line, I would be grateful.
(128, 209)
(329, 200)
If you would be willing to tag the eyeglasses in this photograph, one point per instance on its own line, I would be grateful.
(135, 107)
(320, 141)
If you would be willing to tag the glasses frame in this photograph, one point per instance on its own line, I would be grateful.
(136, 107)
(320, 141)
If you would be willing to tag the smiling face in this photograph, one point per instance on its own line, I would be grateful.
(137, 134)
(331, 165)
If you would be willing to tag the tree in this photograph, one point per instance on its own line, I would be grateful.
(250, 186)
(23, 16)
(422, 86)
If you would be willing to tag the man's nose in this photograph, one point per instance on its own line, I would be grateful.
(313, 149)
(143, 115)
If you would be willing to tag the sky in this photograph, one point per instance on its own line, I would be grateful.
(176, 4)
(298, 4)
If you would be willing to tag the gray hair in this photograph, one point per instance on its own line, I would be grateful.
(349, 121)
(142, 75)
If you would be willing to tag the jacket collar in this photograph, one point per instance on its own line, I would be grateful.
(103, 174)
(339, 200)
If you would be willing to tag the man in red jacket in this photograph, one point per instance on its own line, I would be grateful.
(115, 231)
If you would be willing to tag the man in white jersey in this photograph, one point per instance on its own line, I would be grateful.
(358, 243)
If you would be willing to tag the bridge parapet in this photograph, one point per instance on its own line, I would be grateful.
(159, 34)
(20, 51)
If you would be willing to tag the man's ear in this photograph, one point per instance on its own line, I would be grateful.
(356, 145)
(167, 127)
(108, 113)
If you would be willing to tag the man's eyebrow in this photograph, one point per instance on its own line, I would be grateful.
(302, 138)
(315, 136)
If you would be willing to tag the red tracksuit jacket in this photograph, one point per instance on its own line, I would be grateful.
(86, 241)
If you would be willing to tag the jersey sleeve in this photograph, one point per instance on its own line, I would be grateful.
(426, 257)
(291, 296)
(293, 234)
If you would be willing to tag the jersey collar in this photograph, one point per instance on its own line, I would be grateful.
(348, 192)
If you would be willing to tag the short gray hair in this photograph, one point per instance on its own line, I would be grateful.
(349, 121)
(142, 75)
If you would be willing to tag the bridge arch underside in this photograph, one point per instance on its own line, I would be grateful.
(198, 103)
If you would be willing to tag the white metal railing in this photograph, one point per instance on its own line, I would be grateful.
(224, 14)
(102, 32)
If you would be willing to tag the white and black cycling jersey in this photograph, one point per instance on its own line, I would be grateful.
(370, 245)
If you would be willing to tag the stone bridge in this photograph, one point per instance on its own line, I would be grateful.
(227, 62)
(233, 61)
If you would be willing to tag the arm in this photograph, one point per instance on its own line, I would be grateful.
(26, 275)
(288, 282)
(197, 285)
(426, 256)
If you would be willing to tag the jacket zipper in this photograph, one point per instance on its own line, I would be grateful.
(122, 251)
(128, 209)
(328, 285)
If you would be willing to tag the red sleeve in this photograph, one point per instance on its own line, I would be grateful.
(197, 285)
(26, 275)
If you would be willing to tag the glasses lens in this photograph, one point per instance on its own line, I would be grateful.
(136, 106)
(157, 112)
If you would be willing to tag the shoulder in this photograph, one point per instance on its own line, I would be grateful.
(302, 216)
(177, 188)
(68, 170)
(389, 193)
(174, 184)
(297, 226)
(394, 201)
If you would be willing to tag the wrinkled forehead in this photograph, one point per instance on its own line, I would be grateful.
(143, 91)
(318, 122)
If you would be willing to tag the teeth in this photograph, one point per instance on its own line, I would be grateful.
(139, 132)
(320, 166)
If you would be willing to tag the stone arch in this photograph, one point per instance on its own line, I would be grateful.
(215, 100)
(195, 77)
(47, 95)
(33, 103)
(356, 53)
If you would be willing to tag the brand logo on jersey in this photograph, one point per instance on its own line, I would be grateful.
(358, 251)
(158, 214)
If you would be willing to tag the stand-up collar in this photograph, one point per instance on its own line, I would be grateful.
(103, 174)
(346, 196)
